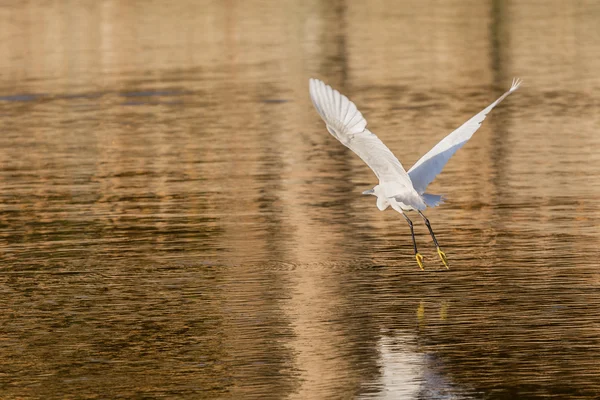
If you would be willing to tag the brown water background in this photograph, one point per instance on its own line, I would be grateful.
(176, 222)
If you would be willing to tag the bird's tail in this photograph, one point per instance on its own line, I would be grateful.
(432, 200)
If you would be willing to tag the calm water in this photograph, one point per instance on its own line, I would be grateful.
(175, 221)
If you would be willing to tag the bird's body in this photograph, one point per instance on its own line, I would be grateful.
(397, 188)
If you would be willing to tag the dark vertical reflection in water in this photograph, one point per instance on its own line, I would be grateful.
(499, 38)
(175, 221)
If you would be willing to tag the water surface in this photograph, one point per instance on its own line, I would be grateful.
(176, 222)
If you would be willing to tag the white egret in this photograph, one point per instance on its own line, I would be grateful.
(403, 191)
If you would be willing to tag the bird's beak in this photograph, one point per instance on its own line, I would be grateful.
(370, 191)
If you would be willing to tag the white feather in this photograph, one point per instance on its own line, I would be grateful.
(347, 124)
(432, 163)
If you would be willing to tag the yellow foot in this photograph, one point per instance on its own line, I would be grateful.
(443, 257)
(420, 261)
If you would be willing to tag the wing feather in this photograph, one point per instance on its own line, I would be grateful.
(432, 163)
(347, 124)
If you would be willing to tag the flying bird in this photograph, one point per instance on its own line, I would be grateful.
(401, 190)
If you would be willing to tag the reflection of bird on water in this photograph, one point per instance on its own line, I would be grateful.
(421, 311)
(403, 191)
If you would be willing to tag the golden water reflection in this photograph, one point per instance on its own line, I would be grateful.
(175, 221)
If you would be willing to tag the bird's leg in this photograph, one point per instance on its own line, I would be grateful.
(437, 246)
(418, 256)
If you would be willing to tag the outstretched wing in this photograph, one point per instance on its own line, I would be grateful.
(347, 125)
(432, 163)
